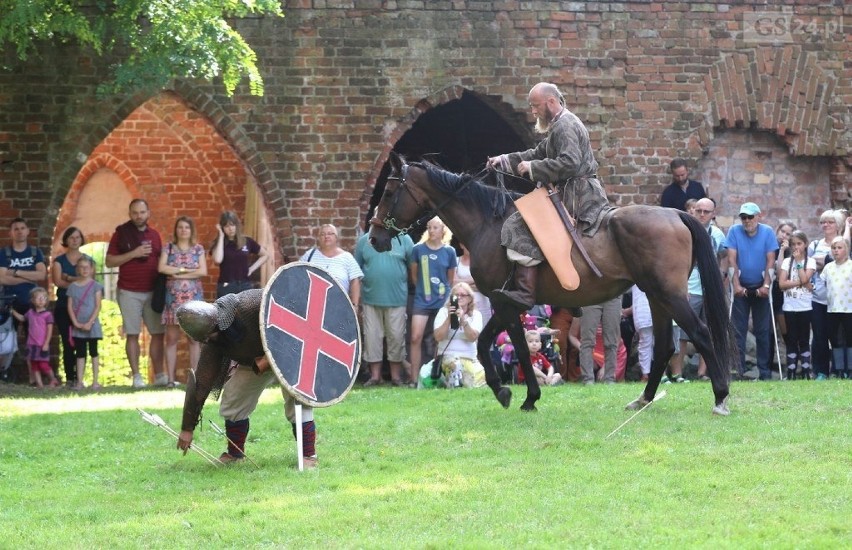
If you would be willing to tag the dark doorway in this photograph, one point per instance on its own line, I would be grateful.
(458, 135)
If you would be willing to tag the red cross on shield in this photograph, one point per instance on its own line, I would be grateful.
(310, 332)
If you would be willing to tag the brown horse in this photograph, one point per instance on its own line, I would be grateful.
(653, 247)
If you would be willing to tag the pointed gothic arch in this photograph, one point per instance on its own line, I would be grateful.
(782, 90)
(195, 99)
(459, 126)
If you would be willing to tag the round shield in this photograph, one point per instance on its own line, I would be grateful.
(310, 334)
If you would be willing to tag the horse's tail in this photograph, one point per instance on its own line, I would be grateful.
(715, 299)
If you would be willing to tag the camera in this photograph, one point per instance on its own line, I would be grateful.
(454, 318)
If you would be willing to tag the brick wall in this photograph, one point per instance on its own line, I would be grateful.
(344, 80)
(755, 167)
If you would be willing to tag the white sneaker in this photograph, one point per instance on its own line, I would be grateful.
(138, 382)
(162, 379)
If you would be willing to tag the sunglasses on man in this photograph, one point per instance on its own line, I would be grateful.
(744, 217)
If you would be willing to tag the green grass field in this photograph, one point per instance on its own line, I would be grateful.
(415, 469)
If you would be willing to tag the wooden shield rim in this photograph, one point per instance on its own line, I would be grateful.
(286, 385)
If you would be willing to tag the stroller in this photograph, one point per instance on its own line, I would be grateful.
(537, 318)
(8, 340)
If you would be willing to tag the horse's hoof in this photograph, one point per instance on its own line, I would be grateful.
(722, 408)
(528, 408)
(504, 396)
(636, 404)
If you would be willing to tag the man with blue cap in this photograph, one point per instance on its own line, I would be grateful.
(752, 248)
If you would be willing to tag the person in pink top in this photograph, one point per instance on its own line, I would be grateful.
(39, 329)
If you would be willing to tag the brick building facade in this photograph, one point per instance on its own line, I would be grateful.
(757, 98)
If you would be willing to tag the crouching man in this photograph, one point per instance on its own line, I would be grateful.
(233, 361)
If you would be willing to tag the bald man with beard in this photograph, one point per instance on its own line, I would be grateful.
(564, 158)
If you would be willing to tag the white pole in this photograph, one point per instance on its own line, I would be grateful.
(299, 437)
(731, 272)
(774, 329)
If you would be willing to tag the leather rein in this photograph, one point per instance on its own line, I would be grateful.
(390, 222)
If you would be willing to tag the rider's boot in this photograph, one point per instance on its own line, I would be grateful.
(523, 296)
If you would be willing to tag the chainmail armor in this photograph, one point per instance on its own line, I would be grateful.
(217, 354)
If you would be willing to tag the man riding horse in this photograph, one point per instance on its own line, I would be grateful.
(563, 158)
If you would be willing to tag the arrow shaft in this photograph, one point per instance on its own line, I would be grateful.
(160, 423)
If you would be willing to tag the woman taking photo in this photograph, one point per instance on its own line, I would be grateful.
(457, 326)
(183, 262)
(63, 272)
(463, 275)
(231, 252)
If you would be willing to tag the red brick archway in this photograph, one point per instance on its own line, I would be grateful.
(172, 156)
(783, 91)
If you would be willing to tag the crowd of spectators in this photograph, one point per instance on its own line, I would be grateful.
(419, 303)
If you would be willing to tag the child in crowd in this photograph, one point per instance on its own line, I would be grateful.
(84, 305)
(544, 371)
(794, 280)
(641, 311)
(39, 329)
(838, 282)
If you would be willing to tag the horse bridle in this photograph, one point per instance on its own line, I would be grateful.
(389, 222)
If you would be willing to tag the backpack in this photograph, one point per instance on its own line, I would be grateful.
(812, 247)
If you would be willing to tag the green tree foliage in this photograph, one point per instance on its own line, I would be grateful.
(153, 40)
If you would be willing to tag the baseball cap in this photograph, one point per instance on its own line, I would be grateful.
(749, 209)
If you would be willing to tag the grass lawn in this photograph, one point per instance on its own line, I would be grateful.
(415, 469)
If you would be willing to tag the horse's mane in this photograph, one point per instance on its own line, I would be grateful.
(471, 188)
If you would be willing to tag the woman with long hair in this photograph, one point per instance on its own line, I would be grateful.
(183, 261)
(232, 251)
(782, 232)
(794, 279)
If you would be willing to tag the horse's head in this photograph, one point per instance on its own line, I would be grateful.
(399, 208)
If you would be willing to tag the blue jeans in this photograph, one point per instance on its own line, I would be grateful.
(761, 321)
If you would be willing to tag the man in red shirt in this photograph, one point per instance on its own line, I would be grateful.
(135, 250)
